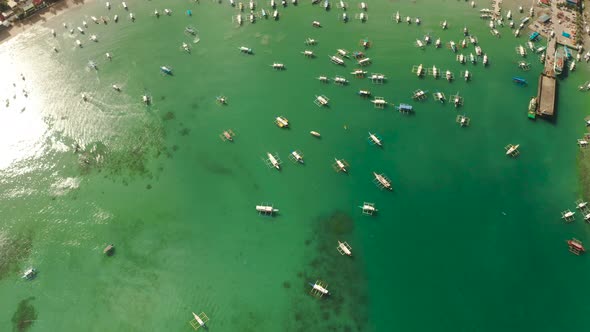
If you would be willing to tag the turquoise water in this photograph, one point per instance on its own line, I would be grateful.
(468, 240)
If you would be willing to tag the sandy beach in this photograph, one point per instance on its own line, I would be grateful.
(43, 16)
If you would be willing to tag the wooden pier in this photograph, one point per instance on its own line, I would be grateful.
(546, 95)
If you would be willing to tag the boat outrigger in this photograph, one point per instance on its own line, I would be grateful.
(512, 150)
(439, 96)
(344, 249)
(568, 216)
(418, 70)
(199, 321)
(266, 209)
(29, 274)
(382, 181)
(359, 73)
(296, 156)
(575, 246)
(340, 165)
(278, 66)
(434, 72)
(321, 100)
(449, 75)
(227, 135)
(419, 94)
(245, 50)
(379, 102)
(166, 70)
(377, 78)
(457, 100)
(273, 161)
(462, 120)
(222, 100)
(375, 140)
(337, 60)
(368, 208)
(319, 289)
(364, 93)
(282, 122)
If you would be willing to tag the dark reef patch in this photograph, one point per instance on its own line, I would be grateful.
(25, 316)
(14, 250)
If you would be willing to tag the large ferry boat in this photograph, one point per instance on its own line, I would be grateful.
(559, 62)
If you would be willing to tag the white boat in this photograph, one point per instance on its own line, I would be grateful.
(435, 72)
(509, 15)
(343, 53)
(478, 50)
(252, 17)
(282, 122)
(273, 161)
(275, 14)
(453, 46)
(251, 5)
(53, 32)
(131, 17)
(492, 25)
(363, 6)
(316, 24)
(449, 75)
(273, 4)
(427, 39)
(340, 165)
(375, 139)
(297, 157)
(420, 70)
(263, 13)
(93, 38)
(444, 24)
(124, 5)
(573, 65)
(29, 273)
(517, 33)
(145, 99)
(245, 49)
(472, 58)
(383, 182)
(156, 13)
(485, 59)
(531, 45)
(85, 24)
(266, 209)
(116, 87)
(199, 320)
(397, 17)
(81, 30)
(315, 133)
(419, 43)
(437, 43)
(511, 24)
(521, 51)
(186, 47)
(465, 31)
(78, 43)
(417, 20)
(108, 5)
(116, 18)
(239, 19)
(337, 60)
(320, 289)
(473, 39)
(467, 75)
(520, 9)
(167, 11)
(464, 43)
(461, 58)
(340, 80)
(512, 149)
(344, 248)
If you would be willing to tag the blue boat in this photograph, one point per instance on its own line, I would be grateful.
(567, 51)
(534, 36)
(404, 108)
(189, 13)
(166, 70)
(519, 80)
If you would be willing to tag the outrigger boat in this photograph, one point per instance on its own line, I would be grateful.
(319, 289)
(321, 101)
(273, 161)
(419, 94)
(363, 6)
(361, 16)
(457, 100)
(222, 100)
(405, 108)
(377, 78)
(434, 72)
(359, 73)
(337, 60)
(462, 120)
(437, 43)
(408, 20)
(166, 70)
(340, 165)
(473, 40)
(524, 65)
(575, 246)
(323, 79)
(379, 102)
(308, 53)
(464, 43)
(419, 43)
(439, 96)
(368, 208)
(190, 30)
(466, 75)
(263, 13)
(472, 58)
(94, 38)
(266, 209)
(278, 66)
(512, 150)
(465, 31)
(342, 5)
(227, 135)
(519, 80)
(444, 25)
(452, 46)
(364, 61)
(185, 47)
(29, 274)
(296, 156)
(146, 99)
(449, 76)
(310, 41)
(461, 58)
(364, 93)
(382, 181)
(397, 17)
(419, 70)
(199, 321)
(343, 53)
(245, 50)
(520, 50)
(344, 249)
(485, 60)
(340, 80)
(282, 122)
(239, 19)
(478, 50)
(374, 139)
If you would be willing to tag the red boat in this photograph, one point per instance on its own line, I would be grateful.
(575, 246)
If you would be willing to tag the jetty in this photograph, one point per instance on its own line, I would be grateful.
(546, 93)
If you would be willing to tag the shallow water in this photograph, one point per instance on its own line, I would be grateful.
(468, 240)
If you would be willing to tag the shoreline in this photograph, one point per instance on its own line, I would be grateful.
(44, 15)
